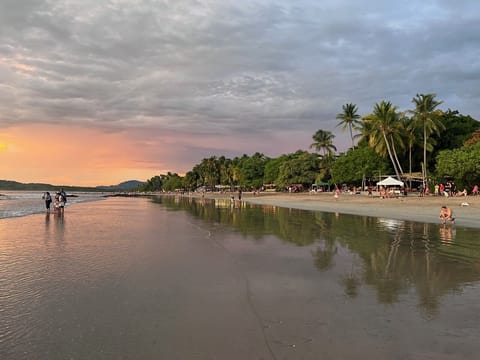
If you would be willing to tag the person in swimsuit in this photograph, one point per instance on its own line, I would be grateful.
(446, 214)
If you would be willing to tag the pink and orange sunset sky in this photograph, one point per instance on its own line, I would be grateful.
(100, 92)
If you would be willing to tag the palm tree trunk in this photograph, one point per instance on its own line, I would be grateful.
(410, 164)
(424, 152)
(351, 135)
(396, 158)
(390, 154)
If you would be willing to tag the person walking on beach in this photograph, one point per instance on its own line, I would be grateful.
(62, 199)
(337, 193)
(446, 214)
(475, 190)
(421, 190)
(48, 201)
(239, 194)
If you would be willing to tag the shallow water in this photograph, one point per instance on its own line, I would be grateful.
(22, 203)
(177, 278)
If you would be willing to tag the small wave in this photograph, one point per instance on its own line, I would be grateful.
(17, 204)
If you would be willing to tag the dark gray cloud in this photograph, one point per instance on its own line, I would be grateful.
(231, 66)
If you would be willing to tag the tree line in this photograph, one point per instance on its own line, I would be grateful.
(435, 144)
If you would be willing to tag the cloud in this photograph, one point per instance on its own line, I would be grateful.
(214, 67)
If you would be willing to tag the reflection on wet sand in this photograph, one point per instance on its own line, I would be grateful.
(447, 234)
(396, 256)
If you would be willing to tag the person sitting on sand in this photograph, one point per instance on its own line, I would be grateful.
(462, 193)
(446, 214)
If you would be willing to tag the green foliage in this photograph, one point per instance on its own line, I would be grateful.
(301, 168)
(323, 142)
(153, 184)
(191, 181)
(458, 128)
(172, 182)
(349, 118)
(252, 170)
(272, 168)
(426, 115)
(462, 165)
(358, 163)
(385, 129)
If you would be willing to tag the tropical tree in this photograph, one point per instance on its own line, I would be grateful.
(358, 164)
(457, 130)
(191, 180)
(461, 164)
(172, 182)
(272, 169)
(252, 170)
(412, 137)
(323, 142)
(349, 118)
(153, 184)
(299, 168)
(385, 132)
(427, 116)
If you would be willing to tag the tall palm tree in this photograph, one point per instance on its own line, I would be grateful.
(323, 142)
(426, 115)
(411, 140)
(349, 118)
(384, 132)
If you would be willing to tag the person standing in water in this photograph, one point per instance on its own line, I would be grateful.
(48, 200)
(62, 199)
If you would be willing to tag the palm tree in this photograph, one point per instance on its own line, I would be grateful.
(349, 118)
(384, 128)
(323, 142)
(411, 139)
(426, 115)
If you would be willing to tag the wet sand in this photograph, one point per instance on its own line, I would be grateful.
(412, 207)
(127, 278)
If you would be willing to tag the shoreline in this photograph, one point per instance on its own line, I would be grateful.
(412, 208)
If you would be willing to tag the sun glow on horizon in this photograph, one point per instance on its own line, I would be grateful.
(65, 155)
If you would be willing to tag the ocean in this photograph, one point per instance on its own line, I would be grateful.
(22, 203)
(175, 277)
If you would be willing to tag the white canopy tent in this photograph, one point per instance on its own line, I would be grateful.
(389, 181)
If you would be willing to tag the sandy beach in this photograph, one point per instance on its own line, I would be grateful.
(411, 207)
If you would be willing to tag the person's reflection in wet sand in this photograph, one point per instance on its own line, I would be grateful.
(446, 234)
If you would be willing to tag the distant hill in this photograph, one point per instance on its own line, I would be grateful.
(123, 186)
(14, 185)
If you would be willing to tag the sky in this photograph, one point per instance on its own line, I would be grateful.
(96, 92)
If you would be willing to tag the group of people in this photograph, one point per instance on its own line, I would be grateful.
(447, 190)
(59, 201)
(450, 189)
